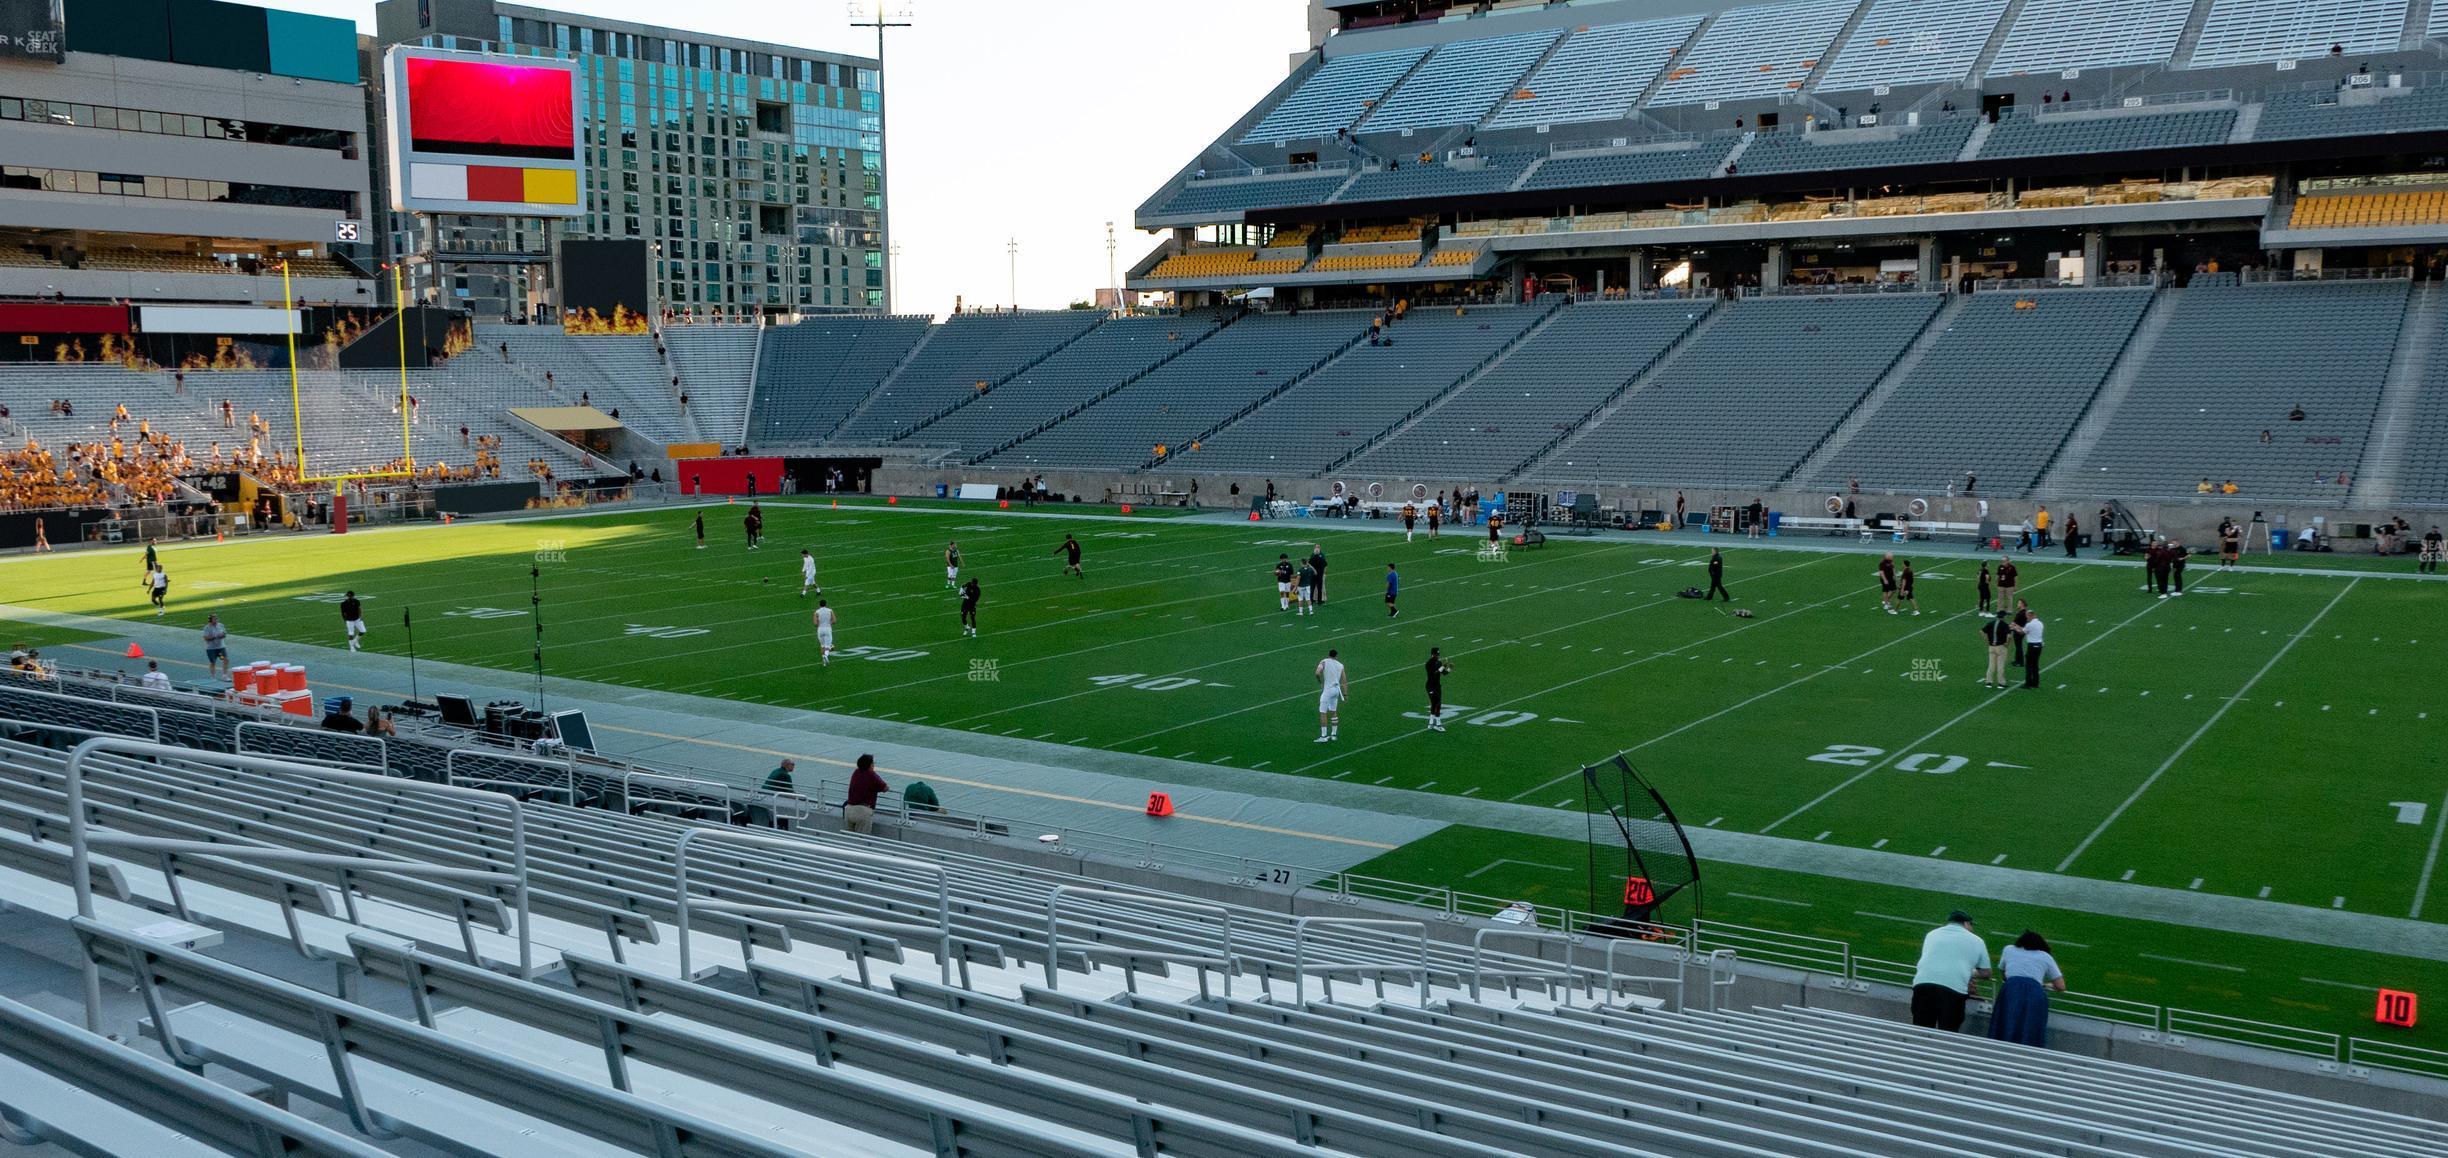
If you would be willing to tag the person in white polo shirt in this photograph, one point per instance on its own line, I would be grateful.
(1952, 958)
(2033, 631)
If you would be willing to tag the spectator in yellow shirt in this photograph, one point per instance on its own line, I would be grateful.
(2040, 523)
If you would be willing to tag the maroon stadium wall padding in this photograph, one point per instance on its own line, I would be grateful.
(729, 476)
(48, 318)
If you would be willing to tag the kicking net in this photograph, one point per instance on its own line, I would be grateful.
(1657, 879)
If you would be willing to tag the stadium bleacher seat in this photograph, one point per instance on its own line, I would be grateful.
(2021, 135)
(2290, 116)
(1792, 152)
(615, 371)
(1538, 393)
(1760, 51)
(1222, 263)
(1336, 96)
(1799, 364)
(1340, 409)
(2233, 362)
(2264, 31)
(2395, 209)
(1695, 161)
(1900, 42)
(811, 375)
(717, 366)
(1996, 394)
(966, 353)
(1105, 358)
(2422, 462)
(2050, 36)
(1489, 174)
(1597, 74)
(925, 1000)
(1211, 382)
(1228, 198)
(1459, 83)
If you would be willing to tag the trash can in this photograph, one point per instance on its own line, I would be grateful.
(943, 490)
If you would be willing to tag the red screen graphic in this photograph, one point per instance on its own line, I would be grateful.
(490, 110)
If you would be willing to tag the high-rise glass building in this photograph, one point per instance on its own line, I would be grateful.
(755, 170)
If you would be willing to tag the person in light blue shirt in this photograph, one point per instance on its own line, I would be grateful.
(2031, 974)
(1393, 589)
(1952, 958)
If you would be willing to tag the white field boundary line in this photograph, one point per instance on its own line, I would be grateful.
(1788, 685)
(1575, 626)
(2422, 885)
(2230, 702)
(1967, 713)
(1377, 627)
(1739, 627)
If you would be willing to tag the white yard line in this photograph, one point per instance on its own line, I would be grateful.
(2422, 886)
(1739, 625)
(2204, 730)
(1960, 717)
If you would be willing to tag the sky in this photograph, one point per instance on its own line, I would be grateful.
(1035, 122)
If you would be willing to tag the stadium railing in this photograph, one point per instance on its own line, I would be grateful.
(2150, 100)
(1720, 944)
(2377, 273)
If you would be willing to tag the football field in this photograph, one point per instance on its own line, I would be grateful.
(2274, 735)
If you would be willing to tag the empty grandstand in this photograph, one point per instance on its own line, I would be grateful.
(1747, 398)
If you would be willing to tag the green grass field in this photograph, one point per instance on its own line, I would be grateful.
(2272, 735)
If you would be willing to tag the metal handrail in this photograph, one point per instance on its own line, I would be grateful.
(568, 769)
(1226, 964)
(239, 735)
(2368, 1053)
(942, 929)
(1619, 944)
(1564, 973)
(83, 837)
(1301, 969)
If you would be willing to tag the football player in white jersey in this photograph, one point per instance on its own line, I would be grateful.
(1334, 686)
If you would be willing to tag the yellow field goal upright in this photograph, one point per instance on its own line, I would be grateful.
(297, 405)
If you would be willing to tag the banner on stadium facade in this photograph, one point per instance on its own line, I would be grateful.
(32, 30)
(217, 320)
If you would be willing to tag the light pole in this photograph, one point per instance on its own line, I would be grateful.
(892, 272)
(1013, 248)
(1112, 281)
(882, 15)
